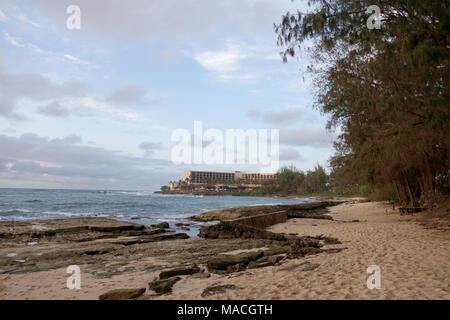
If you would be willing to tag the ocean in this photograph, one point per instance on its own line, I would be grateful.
(140, 207)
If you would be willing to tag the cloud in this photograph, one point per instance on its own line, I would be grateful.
(150, 147)
(53, 56)
(287, 154)
(276, 117)
(34, 87)
(11, 40)
(224, 62)
(146, 145)
(66, 161)
(3, 17)
(128, 94)
(68, 98)
(104, 20)
(306, 136)
(22, 17)
(54, 109)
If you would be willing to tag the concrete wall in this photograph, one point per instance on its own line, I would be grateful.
(263, 221)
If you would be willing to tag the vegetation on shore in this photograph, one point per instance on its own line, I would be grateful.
(385, 89)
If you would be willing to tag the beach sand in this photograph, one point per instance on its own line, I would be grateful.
(414, 262)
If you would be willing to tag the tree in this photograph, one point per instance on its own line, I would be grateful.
(386, 89)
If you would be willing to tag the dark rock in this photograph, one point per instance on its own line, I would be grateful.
(223, 261)
(179, 272)
(236, 268)
(163, 286)
(182, 224)
(330, 240)
(276, 251)
(304, 242)
(201, 275)
(152, 238)
(231, 230)
(218, 289)
(254, 264)
(162, 225)
(333, 250)
(122, 294)
(274, 259)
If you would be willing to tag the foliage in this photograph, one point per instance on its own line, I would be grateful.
(386, 90)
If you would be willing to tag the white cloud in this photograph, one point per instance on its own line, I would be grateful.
(3, 17)
(22, 17)
(54, 56)
(13, 41)
(98, 105)
(75, 59)
(225, 63)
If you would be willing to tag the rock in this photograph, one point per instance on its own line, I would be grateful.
(276, 251)
(179, 272)
(330, 240)
(333, 250)
(232, 230)
(274, 259)
(162, 225)
(223, 261)
(201, 275)
(313, 210)
(236, 268)
(255, 264)
(182, 224)
(218, 289)
(304, 242)
(122, 294)
(152, 238)
(163, 286)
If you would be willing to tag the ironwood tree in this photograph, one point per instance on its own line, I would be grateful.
(385, 89)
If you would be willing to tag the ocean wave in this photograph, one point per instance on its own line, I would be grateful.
(75, 214)
(14, 212)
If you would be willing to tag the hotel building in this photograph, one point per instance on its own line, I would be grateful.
(209, 177)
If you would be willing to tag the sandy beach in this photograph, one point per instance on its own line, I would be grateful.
(414, 261)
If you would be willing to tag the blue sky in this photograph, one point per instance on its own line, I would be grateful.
(95, 107)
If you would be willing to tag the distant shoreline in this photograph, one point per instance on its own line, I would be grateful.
(249, 194)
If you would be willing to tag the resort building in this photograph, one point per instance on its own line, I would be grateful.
(209, 177)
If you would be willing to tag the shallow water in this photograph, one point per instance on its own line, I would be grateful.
(134, 206)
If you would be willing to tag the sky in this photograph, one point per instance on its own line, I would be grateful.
(95, 107)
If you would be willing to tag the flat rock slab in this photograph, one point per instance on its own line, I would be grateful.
(223, 261)
(163, 286)
(293, 210)
(179, 272)
(122, 294)
(201, 275)
(11, 229)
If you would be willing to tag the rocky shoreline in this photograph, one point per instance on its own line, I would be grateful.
(105, 248)
(312, 210)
